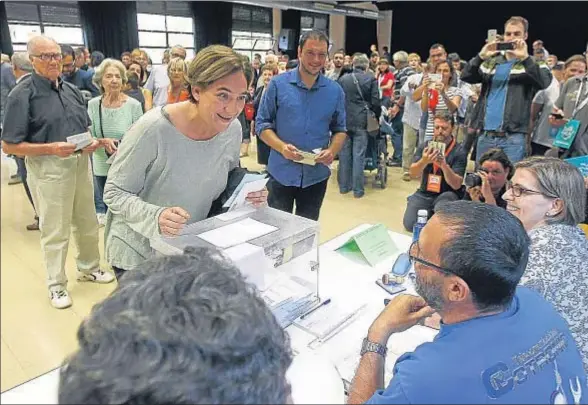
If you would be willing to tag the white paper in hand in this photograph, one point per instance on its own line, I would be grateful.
(250, 187)
(80, 140)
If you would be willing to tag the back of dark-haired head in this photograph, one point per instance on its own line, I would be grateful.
(182, 329)
(133, 80)
(313, 34)
(96, 58)
(487, 247)
(498, 155)
(67, 50)
(454, 56)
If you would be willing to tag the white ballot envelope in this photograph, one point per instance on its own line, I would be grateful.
(80, 140)
(308, 158)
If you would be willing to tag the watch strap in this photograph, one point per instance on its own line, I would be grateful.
(372, 347)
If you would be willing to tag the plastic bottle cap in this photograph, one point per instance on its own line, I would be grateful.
(423, 213)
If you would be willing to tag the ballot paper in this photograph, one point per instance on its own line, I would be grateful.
(240, 200)
(253, 264)
(288, 298)
(237, 233)
(328, 319)
(80, 140)
(248, 178)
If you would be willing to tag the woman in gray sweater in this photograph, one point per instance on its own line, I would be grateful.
(174, 162)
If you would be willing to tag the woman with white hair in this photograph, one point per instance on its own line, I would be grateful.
(177, 91)
(112, 114)
(548, 195)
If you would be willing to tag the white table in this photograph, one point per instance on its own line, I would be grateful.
(342, 279)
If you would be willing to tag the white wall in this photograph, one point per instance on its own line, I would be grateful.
(337, 31)
(385, 30)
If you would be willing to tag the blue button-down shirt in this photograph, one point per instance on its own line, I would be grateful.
(304, 118)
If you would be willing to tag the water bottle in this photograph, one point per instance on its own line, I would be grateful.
(422, 217)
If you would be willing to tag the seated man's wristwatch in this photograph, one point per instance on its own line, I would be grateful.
(371, 347)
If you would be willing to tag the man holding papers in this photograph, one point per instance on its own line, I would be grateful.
(46, 121)
(497, 344)
(297, 115)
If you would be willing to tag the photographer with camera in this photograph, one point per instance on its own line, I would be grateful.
(489, 183)
(510, 79)
(441, 164)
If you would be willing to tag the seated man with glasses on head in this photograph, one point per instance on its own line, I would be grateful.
(441, 172)
(498, 343)
(490, 182)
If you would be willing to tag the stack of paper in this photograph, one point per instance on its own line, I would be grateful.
(288, 298)
(80, 140)
(328, 320)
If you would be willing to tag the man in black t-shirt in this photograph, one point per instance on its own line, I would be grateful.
(441, 173)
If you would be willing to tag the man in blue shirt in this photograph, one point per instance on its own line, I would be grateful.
(82, 79)
(497, 344)
(509, 80)
(302, 111)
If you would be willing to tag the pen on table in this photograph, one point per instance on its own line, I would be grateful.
(322, 304)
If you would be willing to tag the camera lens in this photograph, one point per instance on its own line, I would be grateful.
(473, 180)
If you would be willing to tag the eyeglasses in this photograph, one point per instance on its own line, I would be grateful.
(414, 259)
(518, 190)
(46, 57)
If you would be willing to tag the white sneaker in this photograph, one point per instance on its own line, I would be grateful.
(101, 219)
(60, 299)
(98, 276)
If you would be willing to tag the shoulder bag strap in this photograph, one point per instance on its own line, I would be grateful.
(359, 90)
(100, 117)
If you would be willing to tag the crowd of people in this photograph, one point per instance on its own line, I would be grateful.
(502, 269)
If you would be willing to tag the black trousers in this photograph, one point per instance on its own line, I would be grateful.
(308, 200)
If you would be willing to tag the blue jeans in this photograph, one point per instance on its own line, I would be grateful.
(352, 163)
(397, 135)
(99, 182)
(514, 145)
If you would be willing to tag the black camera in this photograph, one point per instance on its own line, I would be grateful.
(505, 46)
(473, 180)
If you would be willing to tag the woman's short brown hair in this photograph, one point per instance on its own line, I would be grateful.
(213, 63)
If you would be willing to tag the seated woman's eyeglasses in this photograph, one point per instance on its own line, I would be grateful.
(46, 57)
(518, 190)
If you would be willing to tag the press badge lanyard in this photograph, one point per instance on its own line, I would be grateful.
(447, 152)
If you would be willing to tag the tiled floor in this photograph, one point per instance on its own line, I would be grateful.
(36, 338)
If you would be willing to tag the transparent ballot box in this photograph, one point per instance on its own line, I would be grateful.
(274, 250)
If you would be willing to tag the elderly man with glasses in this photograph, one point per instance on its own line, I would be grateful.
(41, 113)
(497, 344)
(158, 81)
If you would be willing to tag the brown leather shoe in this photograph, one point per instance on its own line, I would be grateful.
(34, 226)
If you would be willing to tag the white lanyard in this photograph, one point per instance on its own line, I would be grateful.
(583, 103)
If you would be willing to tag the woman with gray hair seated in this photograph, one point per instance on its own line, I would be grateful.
(112, 114)
(548, 195)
